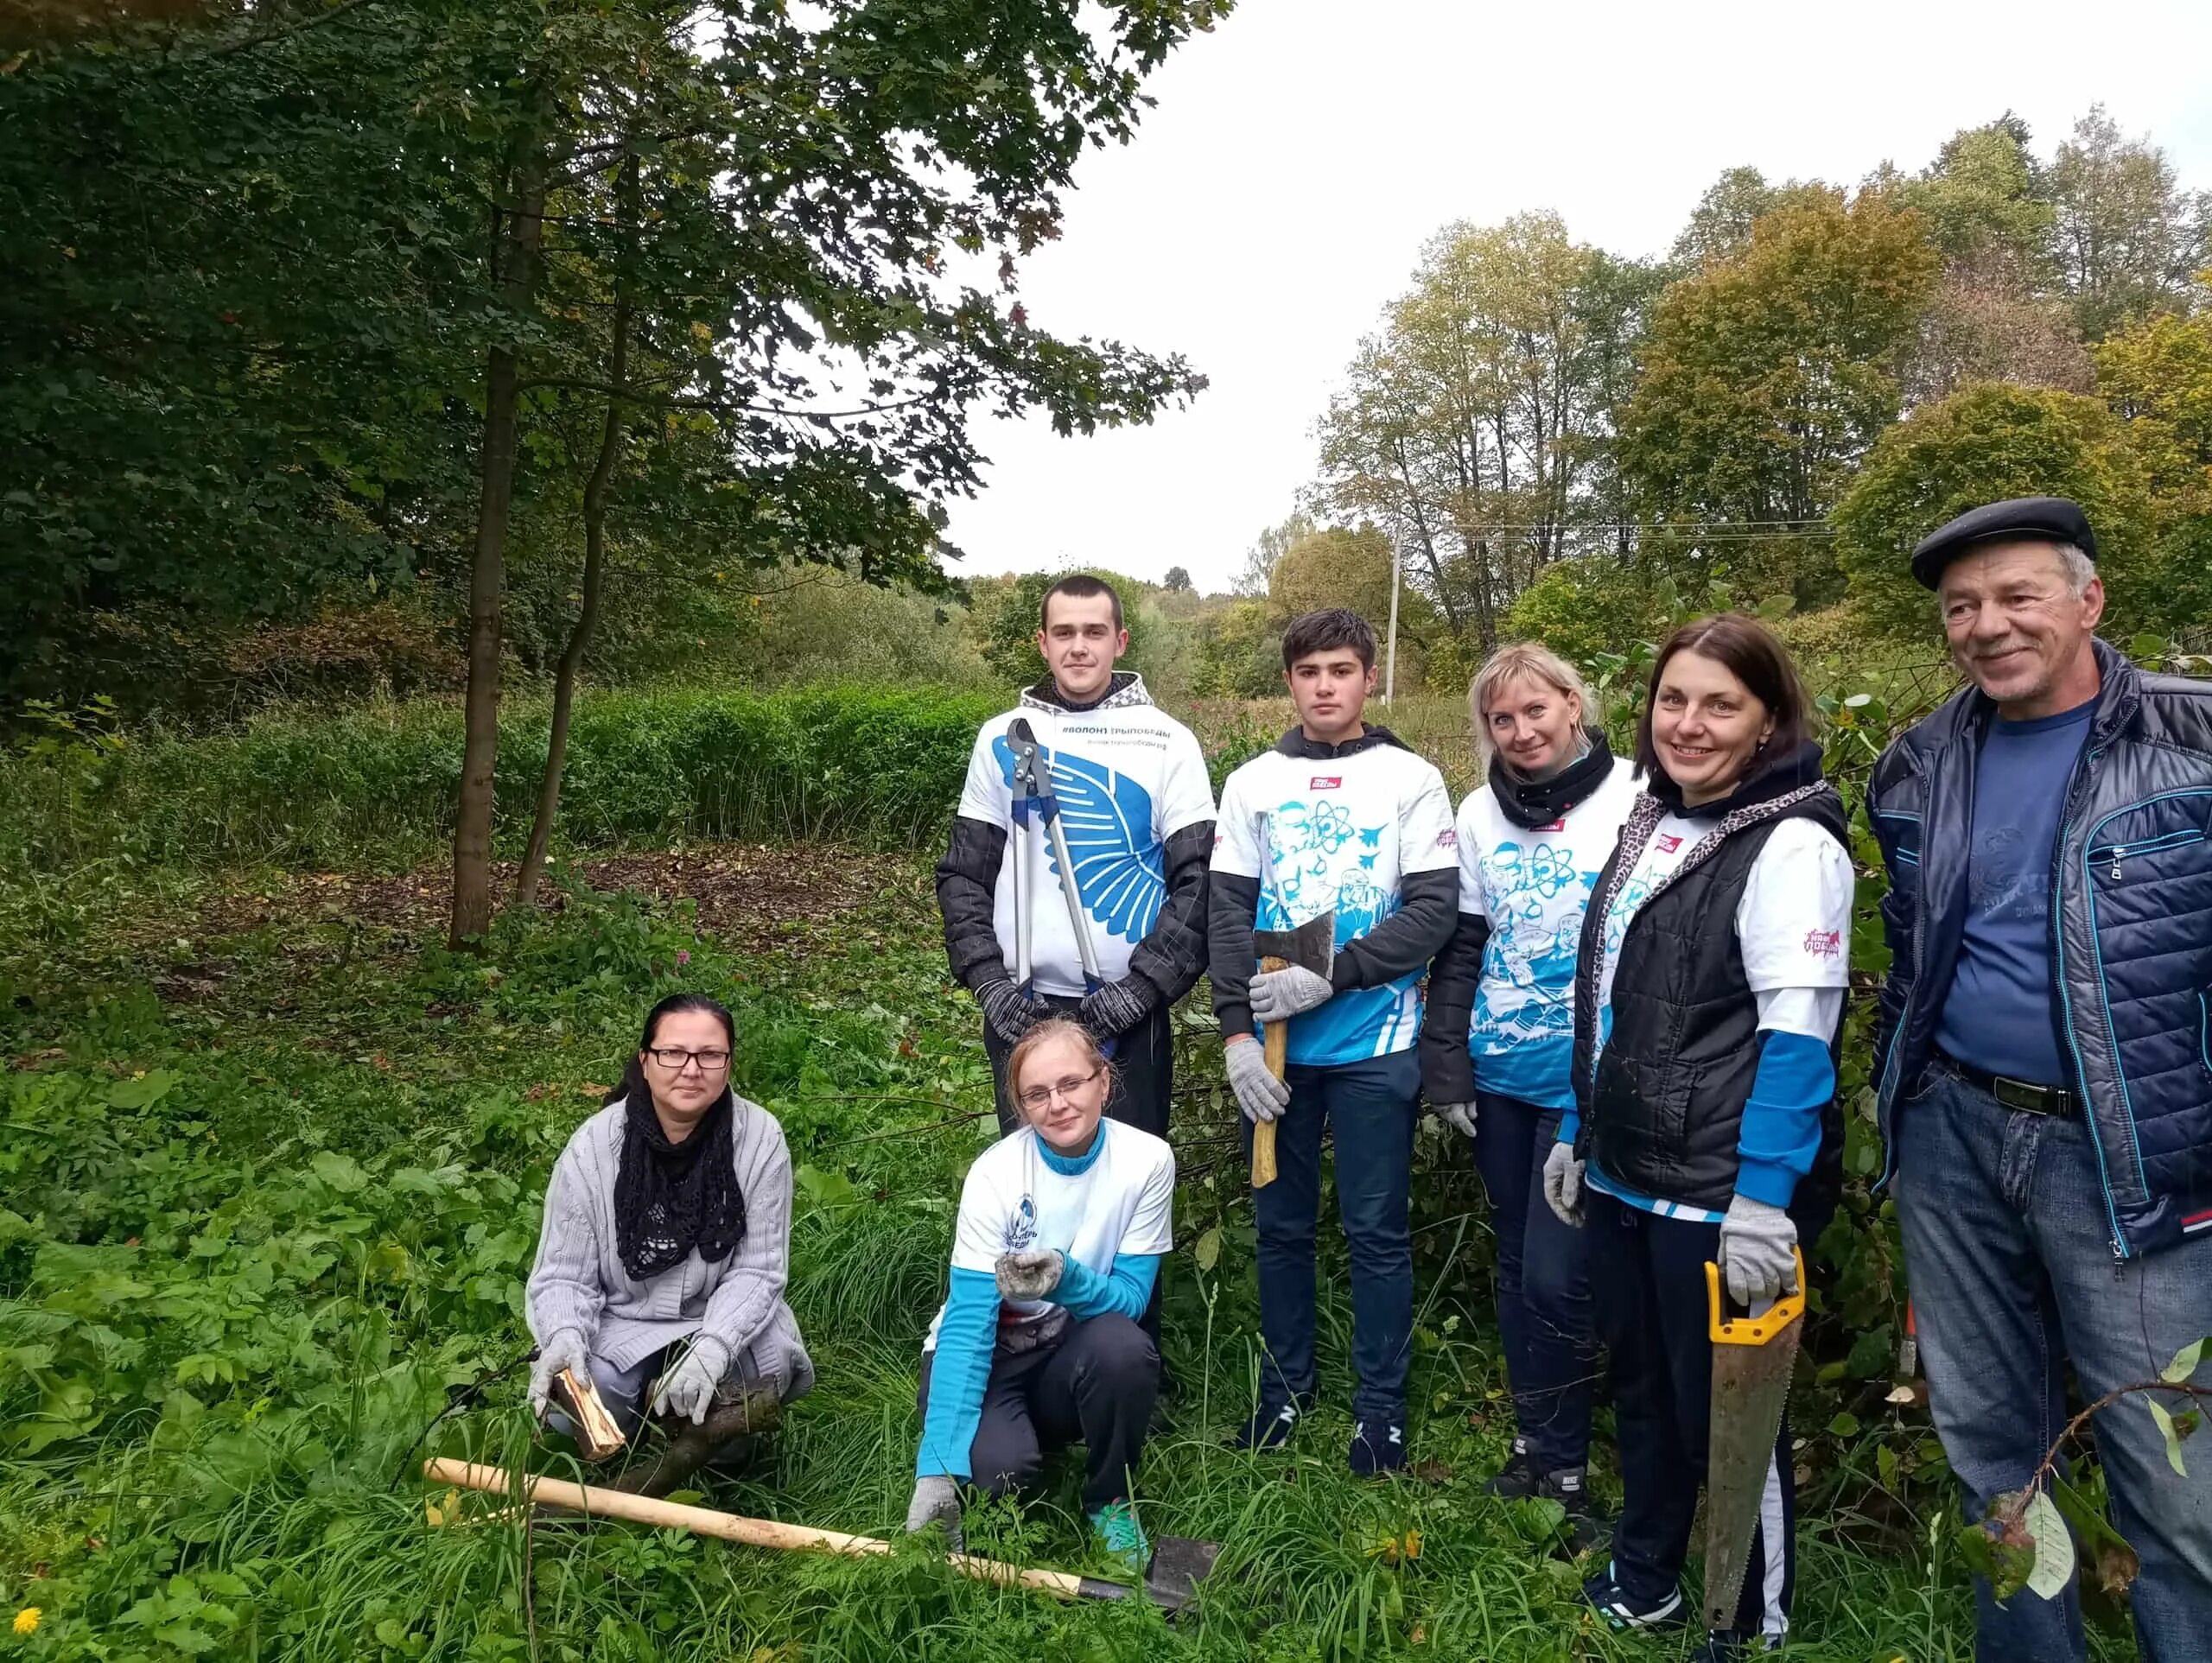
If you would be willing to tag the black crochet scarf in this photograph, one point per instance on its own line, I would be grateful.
(1529, 803)
(671, 1197)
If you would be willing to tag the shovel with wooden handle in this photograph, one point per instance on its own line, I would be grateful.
(1170, 1580)
(1753, 1358)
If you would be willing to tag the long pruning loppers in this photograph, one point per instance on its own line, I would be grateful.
(1033, 795)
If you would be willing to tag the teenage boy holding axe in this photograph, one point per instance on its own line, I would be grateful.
(1076, 880)
(1335, 882)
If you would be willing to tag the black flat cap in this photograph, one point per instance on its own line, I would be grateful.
(2055, 519)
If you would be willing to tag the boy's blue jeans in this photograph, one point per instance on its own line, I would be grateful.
(2009, 1251)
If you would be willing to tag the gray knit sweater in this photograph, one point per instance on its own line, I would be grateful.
(579, 1282)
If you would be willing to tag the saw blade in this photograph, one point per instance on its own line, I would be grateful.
(1750, 1388)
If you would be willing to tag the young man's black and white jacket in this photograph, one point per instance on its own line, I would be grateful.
(1136, 807)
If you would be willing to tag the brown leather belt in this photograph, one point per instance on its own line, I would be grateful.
(2022, 1095)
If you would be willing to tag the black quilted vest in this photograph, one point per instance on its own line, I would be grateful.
(1663, 1106)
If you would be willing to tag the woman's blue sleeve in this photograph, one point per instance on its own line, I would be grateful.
(1125, 1290)
(1780, 1131)
(958, 1373)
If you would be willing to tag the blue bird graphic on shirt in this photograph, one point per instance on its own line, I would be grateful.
(1106, 817)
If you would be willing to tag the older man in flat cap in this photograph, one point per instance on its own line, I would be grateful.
(2044, 1053)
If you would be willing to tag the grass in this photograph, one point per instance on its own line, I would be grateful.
(268, 1185)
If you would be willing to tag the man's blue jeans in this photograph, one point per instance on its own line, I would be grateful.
(2009, 1251)
(1370, 1106)
(1544, 1320)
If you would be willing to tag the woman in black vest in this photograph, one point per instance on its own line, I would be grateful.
(1707, 1001)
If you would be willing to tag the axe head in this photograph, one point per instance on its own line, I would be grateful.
(1312, 946)
(1171, 1581)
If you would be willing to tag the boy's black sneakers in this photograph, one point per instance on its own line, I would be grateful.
(1607, 1598)
(1580, 1530)
(1519, 1477)
(1377, 1447)
(1268, 1428)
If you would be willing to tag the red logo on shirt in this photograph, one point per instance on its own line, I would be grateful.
(1824, 943)
(1668, 844)
(1447, 839)
(1325, 783)
(1556, 825)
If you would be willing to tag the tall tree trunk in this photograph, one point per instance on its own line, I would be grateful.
(517, 254)
(580, 634)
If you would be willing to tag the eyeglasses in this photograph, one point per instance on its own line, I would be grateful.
(675, 1058)
(1036, 1097)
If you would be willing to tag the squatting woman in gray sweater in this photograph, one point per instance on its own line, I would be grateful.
(667, 1236)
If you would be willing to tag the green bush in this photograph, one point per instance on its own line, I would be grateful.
(868, 764)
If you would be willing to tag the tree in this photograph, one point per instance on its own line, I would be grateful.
(1252, 578)
(2127, 237)
(1767, 376)
(1178, 581)
(2157, 372)
(1981, 445)
(1335, 568)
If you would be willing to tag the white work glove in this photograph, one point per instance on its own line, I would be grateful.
(936, 1501)
(1008, 1010)
(564, 1351)
(1116, 1007)
(689, 1390)
(1030, 1275)
(1758, 1253)
(1563, 1184)
(1278, 995)
(1460, 1115)
(1259, 1093)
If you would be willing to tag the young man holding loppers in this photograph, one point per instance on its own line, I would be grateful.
(1092, 775)
(1336, 847)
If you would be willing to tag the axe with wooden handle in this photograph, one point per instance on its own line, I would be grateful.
(1311, 946)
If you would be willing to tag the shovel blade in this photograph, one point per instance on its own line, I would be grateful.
(1179, 1564)
(1750, 1388)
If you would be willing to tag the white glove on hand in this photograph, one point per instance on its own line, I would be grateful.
(1278, 995)
(1461, 1115)
(936, 1501)
(688, 1390)
(564, 1351)
(1563, 1184)
(1030, 1275)
(1259, 1093)
(1009, 1011)
(1758, 1258)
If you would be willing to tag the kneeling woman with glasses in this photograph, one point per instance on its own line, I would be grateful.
(1062, 1225)
(667, 1237)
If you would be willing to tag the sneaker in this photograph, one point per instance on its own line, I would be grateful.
(1519, 1477)
(1580, 1530)
(1120, 1537)
(1377, 1447)
(1607, 1598)
(1268, 1429)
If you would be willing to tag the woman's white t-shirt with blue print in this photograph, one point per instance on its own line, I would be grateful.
(1338, 833)
(1533, 883)
(1122, 1203)
(1129, 777)
(1793, 929)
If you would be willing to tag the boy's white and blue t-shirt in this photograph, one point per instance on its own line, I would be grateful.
(1109, 1210)
(1129, 777)
(1533, 885)
(1793, 929)
(1340, 832)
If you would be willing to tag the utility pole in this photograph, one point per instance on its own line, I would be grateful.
(1390, 670)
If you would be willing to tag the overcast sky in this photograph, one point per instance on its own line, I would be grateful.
(1300, 155)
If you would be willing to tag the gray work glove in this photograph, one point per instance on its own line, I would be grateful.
(1117, 1007)
(1030, 1275)
(1461, 1115)
(1563, 1184)
(1278, 995)
(566, 1350)
(1259, 1093)
(936, 1501)
(1008, 1010)
(687, 1391)
(1758, 1258)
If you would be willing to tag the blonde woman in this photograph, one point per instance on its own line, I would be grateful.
(1063, 1223)
(1498, 1045)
